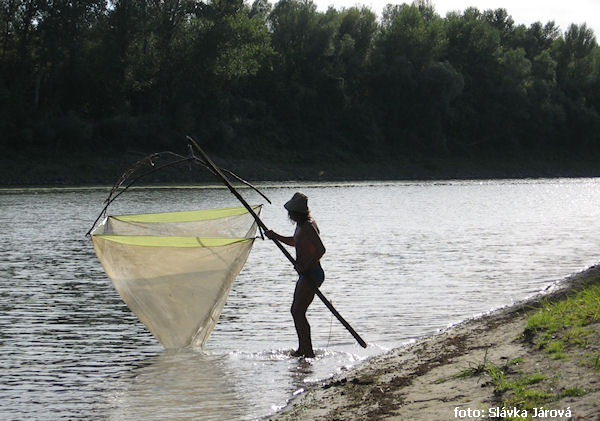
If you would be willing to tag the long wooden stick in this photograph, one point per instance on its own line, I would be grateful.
(223, 178)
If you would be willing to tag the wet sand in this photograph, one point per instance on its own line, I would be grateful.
(422, 381)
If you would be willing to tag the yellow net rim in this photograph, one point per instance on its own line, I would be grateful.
(156, 241)
(185, 216)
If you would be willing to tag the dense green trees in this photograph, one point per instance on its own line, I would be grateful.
(249, 79)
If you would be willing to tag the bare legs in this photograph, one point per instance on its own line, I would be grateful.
(303, 296)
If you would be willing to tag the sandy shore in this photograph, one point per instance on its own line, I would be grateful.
(423, 381)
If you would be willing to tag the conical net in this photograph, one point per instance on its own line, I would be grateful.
(175, 270)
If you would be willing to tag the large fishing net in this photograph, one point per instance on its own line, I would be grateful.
(175, 270)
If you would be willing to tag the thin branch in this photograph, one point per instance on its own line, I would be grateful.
(129, 177)
(115, 192)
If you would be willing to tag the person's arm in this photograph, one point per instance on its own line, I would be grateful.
(285, 240)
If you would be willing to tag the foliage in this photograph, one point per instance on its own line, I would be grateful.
(563, 323)
(285, 78)
(578, 310)
(516, 389)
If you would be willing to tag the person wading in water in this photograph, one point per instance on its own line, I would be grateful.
(309, 250)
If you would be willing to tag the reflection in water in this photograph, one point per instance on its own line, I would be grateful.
(188, 384)
(301, 373)
(178, 384)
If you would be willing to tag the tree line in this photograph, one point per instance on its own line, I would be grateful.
(284, 78)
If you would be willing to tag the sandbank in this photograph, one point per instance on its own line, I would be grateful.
(428, 380)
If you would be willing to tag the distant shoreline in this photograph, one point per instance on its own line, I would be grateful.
(84, 171)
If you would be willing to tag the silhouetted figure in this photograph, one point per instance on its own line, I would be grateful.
(309, 250)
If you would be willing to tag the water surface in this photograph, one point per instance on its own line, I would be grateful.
(403, 260)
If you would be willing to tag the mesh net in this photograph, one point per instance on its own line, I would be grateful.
(175, 270)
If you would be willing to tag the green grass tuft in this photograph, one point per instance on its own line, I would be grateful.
(565, 319)
(571, 392)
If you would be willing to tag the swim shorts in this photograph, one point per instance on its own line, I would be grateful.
(315, 274)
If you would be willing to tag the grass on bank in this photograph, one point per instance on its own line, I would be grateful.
(560, 329)
(556, 328)
(561, 324)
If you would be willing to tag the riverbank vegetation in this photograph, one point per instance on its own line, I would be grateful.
(564, 324)
(269, 86)
(566, 330)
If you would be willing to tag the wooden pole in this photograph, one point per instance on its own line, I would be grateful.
(260, 223)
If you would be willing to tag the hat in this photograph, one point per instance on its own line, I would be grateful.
(298, 203)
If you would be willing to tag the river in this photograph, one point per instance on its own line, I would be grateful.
(404, 259)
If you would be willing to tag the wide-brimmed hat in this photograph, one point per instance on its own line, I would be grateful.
(298, 203)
